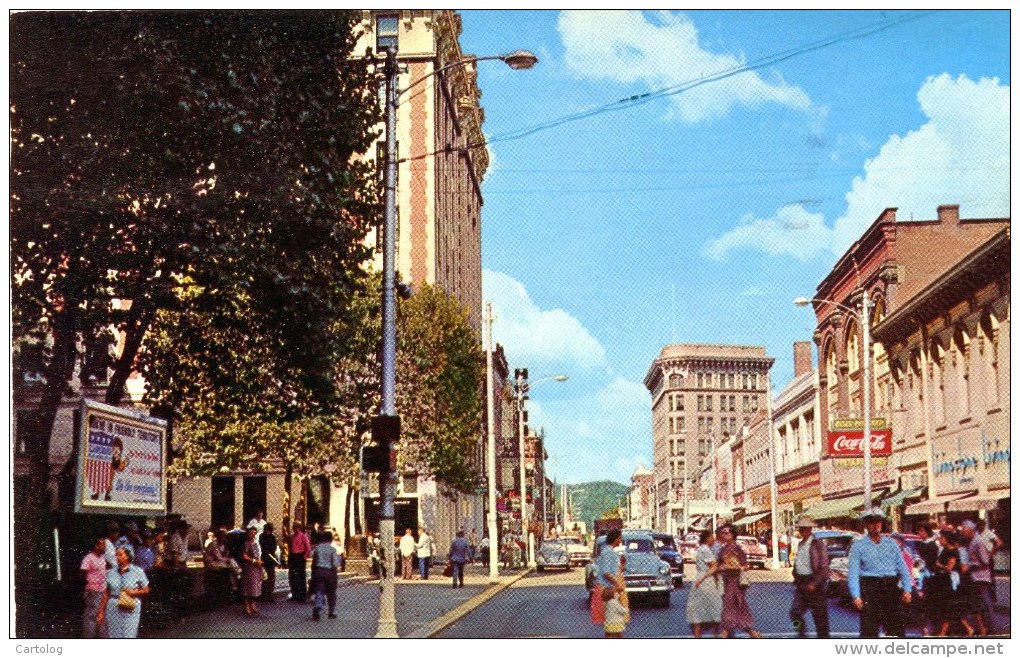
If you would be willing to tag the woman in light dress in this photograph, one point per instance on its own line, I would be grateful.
(704, 605)
(126, 578)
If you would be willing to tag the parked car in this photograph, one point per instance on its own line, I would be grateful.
(689, 546)
(646, 575)
(665, 546)
(552, 554)
(576, 549)
(837, 544)
(757, 554)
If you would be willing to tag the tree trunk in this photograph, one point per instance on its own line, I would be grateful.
(31, 501)
(139, 319)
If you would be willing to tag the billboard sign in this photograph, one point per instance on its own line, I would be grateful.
(850, 443)
(121, 463)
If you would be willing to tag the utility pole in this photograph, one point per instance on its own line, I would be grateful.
(491, 449)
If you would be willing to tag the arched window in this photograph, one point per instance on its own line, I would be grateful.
(936, 364)
(854, 379)
(961, 367)
(882, 400)
(916, 385)
(990, 358)
(832, 378)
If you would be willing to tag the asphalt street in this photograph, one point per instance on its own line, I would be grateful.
(554, 605)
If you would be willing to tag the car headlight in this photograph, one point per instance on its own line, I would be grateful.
(664, 569)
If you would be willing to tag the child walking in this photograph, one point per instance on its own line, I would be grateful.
(616, 613)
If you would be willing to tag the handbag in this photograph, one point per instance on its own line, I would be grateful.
(126, 602)
(448, 569)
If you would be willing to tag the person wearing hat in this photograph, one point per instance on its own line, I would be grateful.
(878, 579)
(811, 578)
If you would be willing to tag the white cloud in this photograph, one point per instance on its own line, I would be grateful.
(792, 230)
(602, 435)
(960, 155)
(628, 47)
(538, 338)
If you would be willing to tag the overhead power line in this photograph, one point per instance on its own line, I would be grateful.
(672, 90)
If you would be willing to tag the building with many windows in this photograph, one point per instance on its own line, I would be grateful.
(701, 394)
(893, 263)
(948, 349)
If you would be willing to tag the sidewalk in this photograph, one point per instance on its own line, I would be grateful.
(423, 608)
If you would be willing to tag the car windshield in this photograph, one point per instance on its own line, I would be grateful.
(665, 543)
(837, 546)
(637, 545)
(747, 541)
(570, 540)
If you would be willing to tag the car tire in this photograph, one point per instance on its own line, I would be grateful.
(540, 568)
(663, 600)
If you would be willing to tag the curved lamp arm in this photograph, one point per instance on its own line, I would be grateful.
(517, 60)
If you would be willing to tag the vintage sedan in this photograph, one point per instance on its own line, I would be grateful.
(646, 575)
(578, 552)
(552, 554)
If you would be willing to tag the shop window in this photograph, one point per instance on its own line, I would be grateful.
(386, 26)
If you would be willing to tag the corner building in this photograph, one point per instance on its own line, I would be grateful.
(701, 395)
(894, 263)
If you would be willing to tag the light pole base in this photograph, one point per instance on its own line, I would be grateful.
(387, 628)
(531, 551)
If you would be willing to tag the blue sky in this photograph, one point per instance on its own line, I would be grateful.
(699, 216)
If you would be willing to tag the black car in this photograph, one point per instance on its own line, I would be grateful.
(665, 546)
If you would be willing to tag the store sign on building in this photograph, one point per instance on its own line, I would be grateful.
(761, 497)
(799, 488)
(845, 479)
(969, 461)
(850, 443)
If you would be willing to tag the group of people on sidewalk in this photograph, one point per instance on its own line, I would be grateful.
(126, 565)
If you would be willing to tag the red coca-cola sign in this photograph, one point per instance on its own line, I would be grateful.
(850, 443)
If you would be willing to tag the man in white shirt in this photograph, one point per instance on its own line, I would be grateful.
(407, 547)
(259, 523)
(424, 553)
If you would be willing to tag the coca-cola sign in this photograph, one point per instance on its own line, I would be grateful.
(850, 443)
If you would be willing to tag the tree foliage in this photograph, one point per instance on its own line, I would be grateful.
(440, 379)
(187, 162)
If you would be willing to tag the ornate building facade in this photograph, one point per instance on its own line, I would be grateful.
(701, 394)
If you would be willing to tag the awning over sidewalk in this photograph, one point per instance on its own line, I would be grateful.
(898, 498)
(838, 508)
(751, 518)
(933, 505)
(987, 501)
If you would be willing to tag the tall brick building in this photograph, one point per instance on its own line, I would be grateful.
(892, 263)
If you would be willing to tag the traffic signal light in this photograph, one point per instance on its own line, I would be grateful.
(377, 457)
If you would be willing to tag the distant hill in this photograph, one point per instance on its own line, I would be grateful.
(592, 499)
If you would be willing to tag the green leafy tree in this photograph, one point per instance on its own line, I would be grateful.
(153, 152)
(440, 379)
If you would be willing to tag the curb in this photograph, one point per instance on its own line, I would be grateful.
(450, 618)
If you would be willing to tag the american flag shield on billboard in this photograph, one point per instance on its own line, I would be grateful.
(98, 461)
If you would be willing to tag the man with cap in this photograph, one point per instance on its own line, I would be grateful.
(811, 578)
(878, 579)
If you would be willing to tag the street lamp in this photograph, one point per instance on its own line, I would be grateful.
(521, 386)
(866, 335)
(388, 422)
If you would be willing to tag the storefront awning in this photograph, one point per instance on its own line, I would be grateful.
(898, 498)
(974, 503)
(751, 518)
(933, 505)
(838, 508)
(701, 522)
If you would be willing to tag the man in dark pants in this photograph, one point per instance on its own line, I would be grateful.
(878, 579)
(810, 577)
(299, 548)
